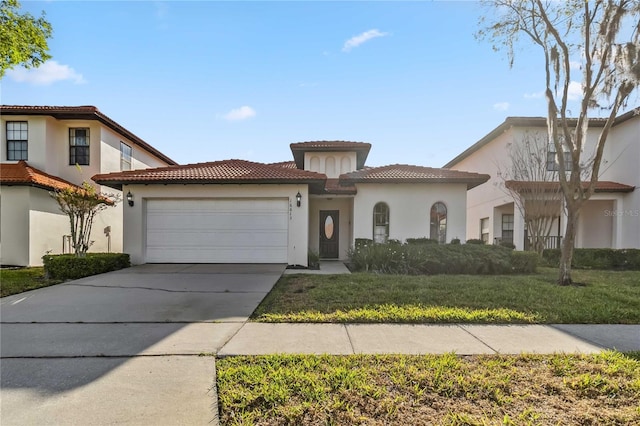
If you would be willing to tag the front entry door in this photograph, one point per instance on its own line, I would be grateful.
(329, 234)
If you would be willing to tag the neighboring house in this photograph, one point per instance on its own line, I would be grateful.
(244, 212)
(610, 219)
(41, 149)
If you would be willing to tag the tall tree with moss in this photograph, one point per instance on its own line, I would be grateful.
(603, 37)
(23, 37)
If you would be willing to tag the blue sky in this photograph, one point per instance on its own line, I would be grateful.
(206, 81)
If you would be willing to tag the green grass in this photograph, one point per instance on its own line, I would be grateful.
(14, 281)
(608, 297)
(433, 389)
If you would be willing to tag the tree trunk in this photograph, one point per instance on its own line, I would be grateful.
(568, 242)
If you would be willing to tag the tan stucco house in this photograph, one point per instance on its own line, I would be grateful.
(239, 211)
(610, 219)
(41, 149)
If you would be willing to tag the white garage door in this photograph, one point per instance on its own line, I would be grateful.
(217, 230)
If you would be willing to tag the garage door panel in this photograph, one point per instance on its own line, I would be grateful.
(217, 231)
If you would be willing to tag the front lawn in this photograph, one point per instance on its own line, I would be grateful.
(609, 297)
(433, 389)
(13, 281)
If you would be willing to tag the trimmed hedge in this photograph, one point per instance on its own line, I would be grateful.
(623, 259)
(70, 267)
(524, 262)
(429, 259)
(422, 240)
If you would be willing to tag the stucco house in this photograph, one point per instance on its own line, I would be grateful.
(42, 147)
(610, 219)
(239, 211)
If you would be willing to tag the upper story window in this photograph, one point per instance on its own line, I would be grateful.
(79, 146)
(438, 220)
(17, 140)
(381, 223)
(552, 159)
(125, 156)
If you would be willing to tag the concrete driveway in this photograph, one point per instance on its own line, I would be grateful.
(128, 347)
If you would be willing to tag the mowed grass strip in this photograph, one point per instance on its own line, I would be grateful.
(607, 297)
(433, 389)
(14, 281)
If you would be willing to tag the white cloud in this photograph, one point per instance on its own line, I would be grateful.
(575, 91)
(239, 114)
(575, 65)
(356, 41)
(534, 95)
(501, 106)
(48, 73)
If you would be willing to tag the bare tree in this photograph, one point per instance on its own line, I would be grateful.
(533, 186)
(81, 205)
(603, 36)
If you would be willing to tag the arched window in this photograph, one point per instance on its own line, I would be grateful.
(381, 223)
(345, 165)
(330, 167)
(439, 222)
(314, 164)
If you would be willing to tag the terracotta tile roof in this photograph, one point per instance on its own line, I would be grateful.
(285, 164)
(21, 173)
(360, 148)
(85, 112)
(335, 186)
(227, 171)
(601, 186)
(403, 173)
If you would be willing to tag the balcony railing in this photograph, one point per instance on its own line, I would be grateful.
(550, 242)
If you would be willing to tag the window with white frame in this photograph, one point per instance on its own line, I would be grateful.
(438, 219)
(125, 156)
(381, 223)
(17, 140)
(552, 159)
(79, 146)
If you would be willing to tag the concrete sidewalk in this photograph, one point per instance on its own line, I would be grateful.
(463, 339)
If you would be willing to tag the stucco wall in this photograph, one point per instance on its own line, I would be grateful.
(343, 205)
(333, 164)
(14, 232)
(134, 217)
(409, 209)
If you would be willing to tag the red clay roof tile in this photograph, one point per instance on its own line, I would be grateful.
(21, 173)
(404, 173)
(227, 171)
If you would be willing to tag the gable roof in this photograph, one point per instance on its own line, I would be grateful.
(361, 149)
(532, 122)
(87, 112)
(22, 174)
(404, 173)
(223, 172)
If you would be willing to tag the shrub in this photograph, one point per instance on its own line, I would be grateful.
(524, 262)
(418, 259)
(475, 241)
(313, 260)
(70, 267)
(422, 240)
(602, 258)
(363, 242)
(508, 245)
(455, 241)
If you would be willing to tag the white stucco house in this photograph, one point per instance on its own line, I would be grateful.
(41, 148)
(610, 219)
(236, 211)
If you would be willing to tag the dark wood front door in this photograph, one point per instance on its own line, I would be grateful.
(329, 220)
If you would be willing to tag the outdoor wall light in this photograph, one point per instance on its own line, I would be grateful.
(298, 198)
(130, 198)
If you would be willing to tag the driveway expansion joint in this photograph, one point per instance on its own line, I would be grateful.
(226, 291)
(461, 326)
